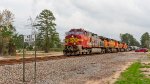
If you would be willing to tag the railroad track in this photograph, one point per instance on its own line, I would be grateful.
(38, 59)
(28, 60)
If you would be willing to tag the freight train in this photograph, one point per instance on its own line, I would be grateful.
(80, 41)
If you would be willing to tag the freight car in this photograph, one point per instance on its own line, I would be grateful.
(80, 41)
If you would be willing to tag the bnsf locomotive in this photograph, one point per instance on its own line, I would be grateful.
(80, 41)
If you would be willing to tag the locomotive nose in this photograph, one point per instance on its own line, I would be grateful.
(73, 39)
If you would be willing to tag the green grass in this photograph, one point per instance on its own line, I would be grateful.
(133, 75)
(145, 66)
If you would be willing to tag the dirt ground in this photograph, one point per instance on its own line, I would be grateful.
(30, 54)
(96, 69)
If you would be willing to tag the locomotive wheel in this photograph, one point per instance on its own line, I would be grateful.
(111, 50)
(89, 51)
(65, 53)
(77, 53)
(68, 54)
(74, 53)
(86, 53)
(82, 53)
(103, 51)
(106, 51)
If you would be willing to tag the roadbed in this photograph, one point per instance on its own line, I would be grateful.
(95, 69)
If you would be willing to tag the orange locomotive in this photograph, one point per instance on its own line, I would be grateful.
(80, 41)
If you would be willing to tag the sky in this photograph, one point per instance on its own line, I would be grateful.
(106, 18)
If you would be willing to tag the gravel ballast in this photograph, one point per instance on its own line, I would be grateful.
(78, 70)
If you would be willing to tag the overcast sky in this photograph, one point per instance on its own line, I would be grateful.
(107, 18)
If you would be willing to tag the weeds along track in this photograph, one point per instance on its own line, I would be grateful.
(12, 61)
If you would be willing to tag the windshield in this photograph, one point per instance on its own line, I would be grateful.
(76, 33)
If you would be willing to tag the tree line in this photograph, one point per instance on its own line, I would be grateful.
(131, 41)
(10, 40)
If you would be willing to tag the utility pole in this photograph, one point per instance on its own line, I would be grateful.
(1, 45)
(33, 40)
(23, 61)
(35, 60)
(35, 48)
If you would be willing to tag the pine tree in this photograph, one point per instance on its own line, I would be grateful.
(45, 24)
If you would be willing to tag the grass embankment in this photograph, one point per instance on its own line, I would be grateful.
(133, 75)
